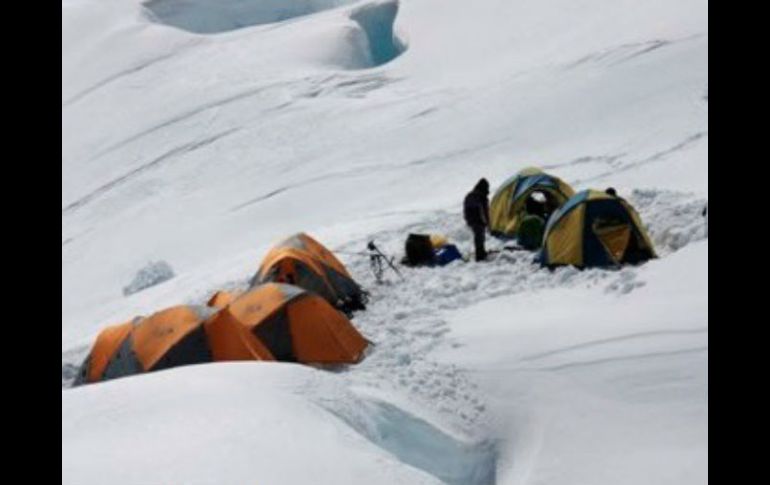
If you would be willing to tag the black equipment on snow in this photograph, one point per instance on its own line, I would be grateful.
(376, 260)
(419, 250)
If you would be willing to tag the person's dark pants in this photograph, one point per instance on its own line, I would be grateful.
(479, 234)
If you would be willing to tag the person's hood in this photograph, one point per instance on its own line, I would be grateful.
(482, 187)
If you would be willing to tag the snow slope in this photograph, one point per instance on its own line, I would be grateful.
(198, 133)
(621, 400)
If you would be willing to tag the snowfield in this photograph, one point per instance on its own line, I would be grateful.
(197, 133)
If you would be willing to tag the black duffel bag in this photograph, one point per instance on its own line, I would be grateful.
(419, 250)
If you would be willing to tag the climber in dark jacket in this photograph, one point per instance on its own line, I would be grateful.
(476, 212)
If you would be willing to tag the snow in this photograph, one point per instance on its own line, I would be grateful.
(201, 424)
(200, 132)
(622, 400)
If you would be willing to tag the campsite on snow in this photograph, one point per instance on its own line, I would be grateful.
(384, 241)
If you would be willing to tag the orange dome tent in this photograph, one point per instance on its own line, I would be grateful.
(294, 325)
(302, 261)
(168, 338)
(270, 322)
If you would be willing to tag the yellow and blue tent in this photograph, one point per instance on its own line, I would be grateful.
(594, 229)
(508, 205)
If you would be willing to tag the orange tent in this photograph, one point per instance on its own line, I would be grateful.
(270, 322)
(302, 261)
(168, 338)
(221, 299)
(291, 324)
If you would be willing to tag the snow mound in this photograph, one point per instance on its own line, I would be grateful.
(607, 384)
(154, 273)
(673, 219)
(216, 16)
(204, 425)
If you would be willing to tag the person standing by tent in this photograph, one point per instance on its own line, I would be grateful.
(476, 213)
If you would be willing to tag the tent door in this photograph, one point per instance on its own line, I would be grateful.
(615, 239)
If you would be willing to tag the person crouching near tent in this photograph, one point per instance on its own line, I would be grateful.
(476, 213)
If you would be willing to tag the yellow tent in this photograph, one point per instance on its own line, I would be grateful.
(508, 205)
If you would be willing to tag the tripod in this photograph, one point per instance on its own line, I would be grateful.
(378, 260)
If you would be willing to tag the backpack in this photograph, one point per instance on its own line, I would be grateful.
(419, 250)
